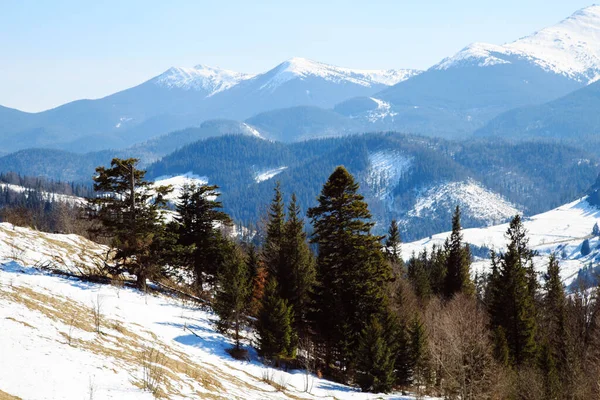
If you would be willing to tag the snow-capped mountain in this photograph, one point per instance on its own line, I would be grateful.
(209, 79)
(302, 68)
(461, 93)
(570, 48)
(183, 97)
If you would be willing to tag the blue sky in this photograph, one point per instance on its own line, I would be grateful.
(52, 52)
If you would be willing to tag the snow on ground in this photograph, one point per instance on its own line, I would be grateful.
(561, 230)
(385, 169)
(475, 201)
(382, 111)
(264, 175)
(253, 131)
(51, 347)
(48, 196)
(179, 181)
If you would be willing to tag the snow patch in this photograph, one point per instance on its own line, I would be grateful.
(475, 201)
(48, 196)
(253, 131)
(383, 110)
(179, 181)
(268, 174)
(385, 170)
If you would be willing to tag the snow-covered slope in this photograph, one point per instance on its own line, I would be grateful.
(385, 169)
(476, 202)
(209, 79)
(67, 339)
(561, 231)
(302, 68)
(570, 48)
(48, 196)
(177, 182)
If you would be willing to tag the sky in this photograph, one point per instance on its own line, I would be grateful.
(53, 52)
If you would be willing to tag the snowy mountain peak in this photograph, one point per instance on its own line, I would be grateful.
(302, 68)
(201, 78)
(570, 48)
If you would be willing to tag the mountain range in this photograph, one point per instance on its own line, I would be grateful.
(300, 98)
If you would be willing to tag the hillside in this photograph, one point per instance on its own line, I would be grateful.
(142, 346)
(573, 118)
(560, 231)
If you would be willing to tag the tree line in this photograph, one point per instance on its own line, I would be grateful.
(342, 303)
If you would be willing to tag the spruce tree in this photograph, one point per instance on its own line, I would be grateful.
(129, 208)
(555, 316)
(418, 276)
(274, 325)
(351, 269)
(198, 218)
(419, 358)
(233, 293)
(585, 247)
(392, 244)
(375, 362)
(297, 277)
(512, 305)
(272, 250)
(458, 261)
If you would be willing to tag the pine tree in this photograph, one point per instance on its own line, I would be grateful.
(129, 209)
(351, 269)
(392, 244)
(375, 363)
(198, 217)
(274, 325)
(458, 261)
(512, 305)
(233, 293)
(547, 365)
(596, 230)
(297, 274)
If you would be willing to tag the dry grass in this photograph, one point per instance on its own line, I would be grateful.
(21, 322)
(6, 396)
(169, 371)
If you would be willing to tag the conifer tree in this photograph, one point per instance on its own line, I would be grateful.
(596, 230)
(458, 261)
(555, 316)
(403, 356)
(297, 277)
(418, 276)
(274, 325)
(585, 247)
(375, 363)
(419, 358)
(198, 216)
(351, 269)
(392, 244)
(272, 251)
(233, 293)
(512, 305)
(130, 211)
